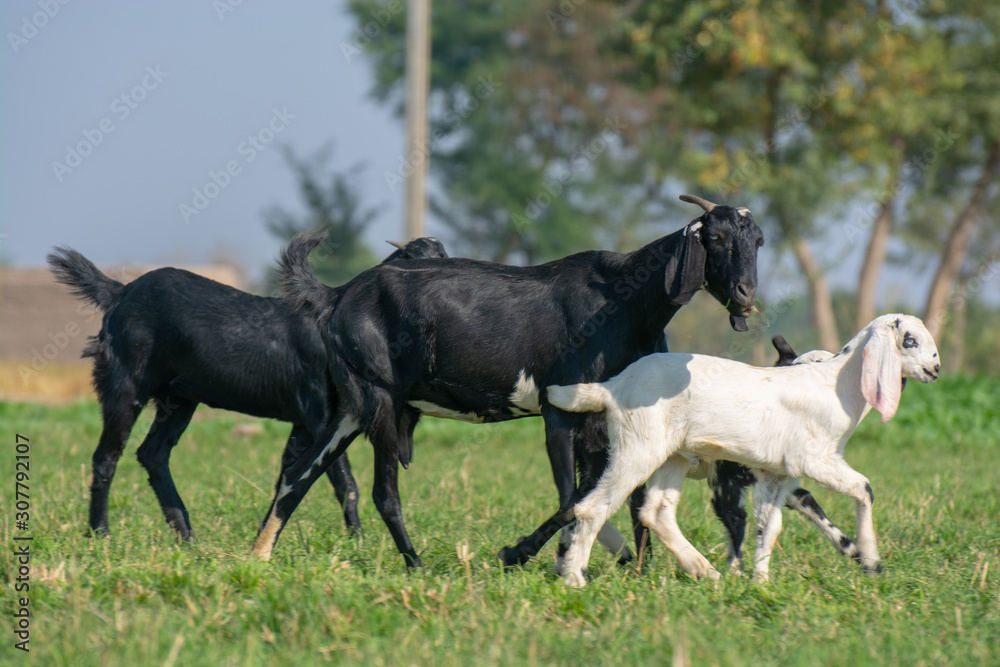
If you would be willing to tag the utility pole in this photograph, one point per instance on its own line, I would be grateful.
(418, 53)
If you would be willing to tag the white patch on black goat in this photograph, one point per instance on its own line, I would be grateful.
(348, 425)
(525, 396)
(433, 410)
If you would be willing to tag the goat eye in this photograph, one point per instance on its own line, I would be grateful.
(714, 237)
(909, 341)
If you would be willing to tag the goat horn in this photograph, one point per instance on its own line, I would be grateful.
(401, 246)
(704, 203)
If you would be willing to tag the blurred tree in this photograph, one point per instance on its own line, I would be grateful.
(955, 173)
(793, 109)
(756, 91)
(805, 105)
(529, 125)
(332, 203)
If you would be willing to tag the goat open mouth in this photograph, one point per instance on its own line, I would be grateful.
(738, 315)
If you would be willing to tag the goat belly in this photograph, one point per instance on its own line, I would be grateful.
(484, 415)
(467, 404)
(434, 410)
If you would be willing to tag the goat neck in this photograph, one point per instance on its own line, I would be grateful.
(642, 285)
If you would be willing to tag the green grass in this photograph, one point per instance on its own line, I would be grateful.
(139, 598)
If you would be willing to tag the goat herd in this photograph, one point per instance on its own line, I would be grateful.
(578, 341)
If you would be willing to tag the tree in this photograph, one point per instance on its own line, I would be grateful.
(331, 203)
(757, 95)
(778, 100)
(796, 110)
(529, 126)
(953, 166)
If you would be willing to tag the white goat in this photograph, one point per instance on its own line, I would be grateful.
(668, 412)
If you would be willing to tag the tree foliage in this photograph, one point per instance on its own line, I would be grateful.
(559, 126)
(332, 203)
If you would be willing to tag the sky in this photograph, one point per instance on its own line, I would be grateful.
(151, 133)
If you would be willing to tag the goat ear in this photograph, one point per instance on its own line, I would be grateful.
(882, 373)
(685, 272)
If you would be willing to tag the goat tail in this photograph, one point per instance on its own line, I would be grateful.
(297, 280)
(86, 280)
(580, 397)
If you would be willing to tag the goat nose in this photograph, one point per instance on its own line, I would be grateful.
(744, 292)
(937, 368)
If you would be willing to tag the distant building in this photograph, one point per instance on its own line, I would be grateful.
(42, 323)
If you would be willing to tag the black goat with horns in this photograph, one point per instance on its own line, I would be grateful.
(472, 340)
(181, 339)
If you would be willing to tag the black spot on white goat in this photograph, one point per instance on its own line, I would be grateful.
(474, 340)
(666, 412)
(181, 339)
(729, 482)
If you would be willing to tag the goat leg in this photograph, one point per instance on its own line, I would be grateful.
(729, 482)
(346, 490)
(660, 514)
(172, 417)
(838, 476)
(119, 418)
(298, 474)
(801, 500)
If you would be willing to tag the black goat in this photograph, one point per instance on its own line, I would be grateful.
(181, 339)
(729, 481)
(473, 341)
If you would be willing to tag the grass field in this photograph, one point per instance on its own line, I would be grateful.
(139, 598)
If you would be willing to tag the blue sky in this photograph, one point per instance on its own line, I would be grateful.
(116, 115)
(203, 90)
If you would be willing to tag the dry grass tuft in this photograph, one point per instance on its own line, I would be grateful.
(56, 384)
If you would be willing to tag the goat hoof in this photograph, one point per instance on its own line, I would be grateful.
(507, 557)
(512, 556)
(184, 534)
(575, 580)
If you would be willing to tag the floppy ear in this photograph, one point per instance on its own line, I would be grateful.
(685, 272)
(881, 373)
